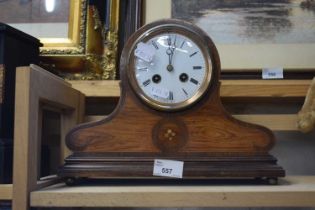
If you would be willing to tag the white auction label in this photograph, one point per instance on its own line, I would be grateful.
(168, 168)
(145, 52)
(160, 92)
(272, 73)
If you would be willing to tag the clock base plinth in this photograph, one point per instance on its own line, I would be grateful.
(137, 166)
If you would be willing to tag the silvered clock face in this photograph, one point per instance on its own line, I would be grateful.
(171, 70)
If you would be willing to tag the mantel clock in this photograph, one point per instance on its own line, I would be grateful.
(170, 109)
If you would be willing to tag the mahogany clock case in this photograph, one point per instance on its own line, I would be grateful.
(209, 140)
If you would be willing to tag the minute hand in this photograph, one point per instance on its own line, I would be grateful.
(170, 57)
(173, 48)
(169, 50)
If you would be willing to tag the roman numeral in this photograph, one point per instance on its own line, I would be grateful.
(185, 91)
(197, 67)
(193, 54)
(181, 46)
(170, 96)
(146, 83)
(155, 45)
(192, 80)
(143, 69)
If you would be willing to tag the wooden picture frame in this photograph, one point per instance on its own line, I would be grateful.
(248, 57)
(36, 90)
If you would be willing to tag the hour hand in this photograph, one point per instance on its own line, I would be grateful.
(169, 52)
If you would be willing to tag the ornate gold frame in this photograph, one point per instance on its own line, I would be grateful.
(89, 52)
(75, 43)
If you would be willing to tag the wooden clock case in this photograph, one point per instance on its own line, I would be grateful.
(205, 136)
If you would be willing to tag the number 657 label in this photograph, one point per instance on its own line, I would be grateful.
(168, 168)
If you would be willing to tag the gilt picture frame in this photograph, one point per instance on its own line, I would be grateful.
(80, 37)
(76, 40)
(244, 57)
(91, 52)
(59, 25)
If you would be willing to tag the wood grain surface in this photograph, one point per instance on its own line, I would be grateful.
(129, 129)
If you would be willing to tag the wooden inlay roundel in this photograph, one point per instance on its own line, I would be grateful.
(170, 134)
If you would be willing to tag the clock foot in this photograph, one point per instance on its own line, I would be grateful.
(71, 181)
(267, 180)
(272, 181)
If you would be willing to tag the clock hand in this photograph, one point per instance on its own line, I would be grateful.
(173, 49)
(174, 44)
(169, 52)
(169, 41)
(169, 58)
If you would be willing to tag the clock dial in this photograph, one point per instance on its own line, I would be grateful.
(170, 69)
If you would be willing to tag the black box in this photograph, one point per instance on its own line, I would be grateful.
(16, 49)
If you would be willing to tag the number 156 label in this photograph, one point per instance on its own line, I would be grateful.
(168, 168)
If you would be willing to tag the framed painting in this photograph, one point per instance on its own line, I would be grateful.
(80, 37)
(250, 35)
(59, 24)
(109, 25)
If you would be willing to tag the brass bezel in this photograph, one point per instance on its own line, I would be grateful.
(183, 28)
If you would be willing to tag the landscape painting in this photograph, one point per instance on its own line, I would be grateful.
(251, 21)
